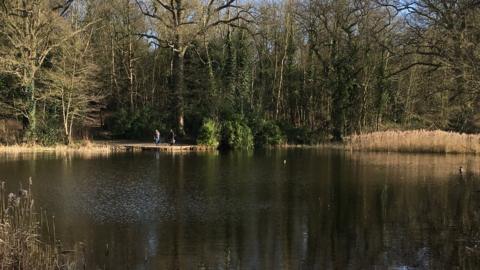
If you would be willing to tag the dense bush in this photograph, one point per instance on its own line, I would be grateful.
(209, 133)
(267, 133)
(49, 131)
(463, 120)
(193, 124)
(236, 135)
(48, 136)
(138, 125)
(303, 135)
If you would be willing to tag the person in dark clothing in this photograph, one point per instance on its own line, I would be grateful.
(172, 137)
(156, 137)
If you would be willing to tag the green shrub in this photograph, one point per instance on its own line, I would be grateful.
(48, 136)
(236, 135)
(303, 135)
(137, 125)
(209, 133)
(463, 120)
(298, 136)
(48, 131)
(267, 133)
(119, 123)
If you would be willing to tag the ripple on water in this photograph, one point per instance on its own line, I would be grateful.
(124, 202)
(128, 202)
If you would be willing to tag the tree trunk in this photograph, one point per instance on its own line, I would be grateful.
(213, 94)
(179, 85)
(130, 60)
(130, 75)
(31, 134)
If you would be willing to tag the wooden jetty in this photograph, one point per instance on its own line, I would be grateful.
(163, 147)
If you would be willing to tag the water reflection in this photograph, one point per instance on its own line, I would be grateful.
(68, 155)
(321, 210)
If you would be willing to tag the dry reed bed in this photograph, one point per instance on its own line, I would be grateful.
(416, 141)
(21, 246)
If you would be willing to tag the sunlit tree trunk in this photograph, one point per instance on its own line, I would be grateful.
(178, 75)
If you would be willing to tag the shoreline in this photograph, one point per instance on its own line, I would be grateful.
(406, 142)
(102, 147)
(413, 142)
(74, 148)
(330, 145)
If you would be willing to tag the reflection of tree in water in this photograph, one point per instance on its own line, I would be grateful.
(334, 213)
(321, 210)
(384, 221)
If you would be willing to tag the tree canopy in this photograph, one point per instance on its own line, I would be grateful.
(300, 71)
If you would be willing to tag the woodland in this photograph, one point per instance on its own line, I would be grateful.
(237, 73)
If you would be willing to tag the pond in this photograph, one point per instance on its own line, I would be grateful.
(321, 209)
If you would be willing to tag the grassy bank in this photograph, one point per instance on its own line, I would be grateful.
(78, 147)
(416, 141)
(21, 244)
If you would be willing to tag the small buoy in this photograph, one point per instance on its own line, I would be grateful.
(461, 170)
(284, 161)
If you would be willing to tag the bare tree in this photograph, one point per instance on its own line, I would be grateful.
(178, 24)
(31, 30)
(73, 83)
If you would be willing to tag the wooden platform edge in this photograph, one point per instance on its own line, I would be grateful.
(165, 148)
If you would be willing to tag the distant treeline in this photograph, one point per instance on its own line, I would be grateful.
(297, 71)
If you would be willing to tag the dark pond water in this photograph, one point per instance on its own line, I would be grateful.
(323, 209)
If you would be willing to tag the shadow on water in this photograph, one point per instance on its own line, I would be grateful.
(272, 209)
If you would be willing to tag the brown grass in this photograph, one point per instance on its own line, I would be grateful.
(416, 141)
(84, 146)
(21, 246)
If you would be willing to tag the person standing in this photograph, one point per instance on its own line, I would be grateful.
(156, 137)
(172, 137)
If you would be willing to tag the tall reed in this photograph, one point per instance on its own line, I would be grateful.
(416, 141)
(21, 243)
